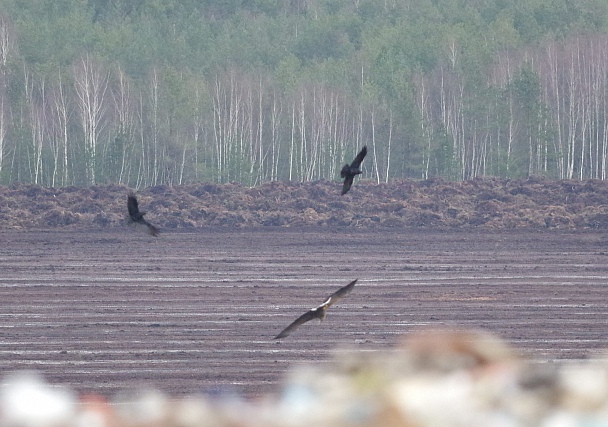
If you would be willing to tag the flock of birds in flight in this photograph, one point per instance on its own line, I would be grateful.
(348, 172)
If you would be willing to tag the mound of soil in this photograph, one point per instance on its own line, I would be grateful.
(480, 203)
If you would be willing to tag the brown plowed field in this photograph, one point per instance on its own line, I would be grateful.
(196, 311)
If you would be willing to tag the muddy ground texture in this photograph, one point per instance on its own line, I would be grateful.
(481, 203)
(99, 306)
(196, 311)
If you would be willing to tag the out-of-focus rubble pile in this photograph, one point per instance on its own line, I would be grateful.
(435, 378)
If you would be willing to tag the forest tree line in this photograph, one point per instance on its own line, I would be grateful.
(144, 93)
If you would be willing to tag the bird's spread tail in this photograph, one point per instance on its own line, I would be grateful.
(152, 230)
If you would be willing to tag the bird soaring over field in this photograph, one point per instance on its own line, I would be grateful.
(135, 216)
(349, 172)
(319, 312)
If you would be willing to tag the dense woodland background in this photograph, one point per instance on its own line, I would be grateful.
(163, 92)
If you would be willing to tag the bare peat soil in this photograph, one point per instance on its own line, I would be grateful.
(481, 203)
(108, 310)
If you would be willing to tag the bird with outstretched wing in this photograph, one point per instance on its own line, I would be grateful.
(349, 172)
(135, 216)
(318, 312)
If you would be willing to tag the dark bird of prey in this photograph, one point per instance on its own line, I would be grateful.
(319, 312)
(349, 172)
(135, 216)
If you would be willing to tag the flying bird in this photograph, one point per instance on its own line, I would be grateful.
(349, 172)
(319, 312)
(135, 216)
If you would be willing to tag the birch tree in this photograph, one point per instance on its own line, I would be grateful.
(7, 45)
(124, 132)
(61, 114)
(91, 83)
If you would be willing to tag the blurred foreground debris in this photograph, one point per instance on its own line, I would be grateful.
(434, 378)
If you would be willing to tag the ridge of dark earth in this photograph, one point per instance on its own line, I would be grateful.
(486, 203)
